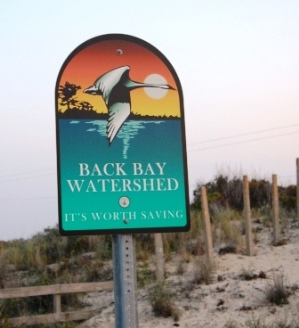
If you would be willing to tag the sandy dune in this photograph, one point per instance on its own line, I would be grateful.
(229, 300)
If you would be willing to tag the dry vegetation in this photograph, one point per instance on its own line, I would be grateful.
(48, 258)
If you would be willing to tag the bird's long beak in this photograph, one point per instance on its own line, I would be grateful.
(91, 90)
(161, 86)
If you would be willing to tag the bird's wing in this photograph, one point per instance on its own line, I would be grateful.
(118, 113)
(109, 80)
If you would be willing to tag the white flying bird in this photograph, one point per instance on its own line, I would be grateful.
(115, 86)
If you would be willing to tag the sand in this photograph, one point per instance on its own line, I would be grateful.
(229, 301)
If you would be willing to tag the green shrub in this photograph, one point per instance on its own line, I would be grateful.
(77, 245)
(287, 197)
(144, 275)
(247, 274)
(228, 192)
(52, 245)
(162, 302)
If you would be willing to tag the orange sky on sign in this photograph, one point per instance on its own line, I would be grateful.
(100, 57)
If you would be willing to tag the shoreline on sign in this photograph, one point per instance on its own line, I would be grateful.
(80, 114)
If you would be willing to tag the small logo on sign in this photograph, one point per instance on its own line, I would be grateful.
(124, 201)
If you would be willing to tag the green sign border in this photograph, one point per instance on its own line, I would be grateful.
(126, 229)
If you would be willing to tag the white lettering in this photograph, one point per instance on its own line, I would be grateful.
(172, 184)
(149, 170)
(96, 216)
(161, 168)
(83, 169)
(75, 185)
(96, 170)
(105, 169)
(137, 169)
(91, 186)
(148, 183)
(119, 170)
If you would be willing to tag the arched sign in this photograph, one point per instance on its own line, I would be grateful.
(121, 151)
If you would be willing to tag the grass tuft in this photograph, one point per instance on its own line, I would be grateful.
(162, 302)
(204, 271)
(276, 292)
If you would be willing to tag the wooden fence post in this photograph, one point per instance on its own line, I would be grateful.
(297, 195)
(57, 303)
(159, 256)
(247, 216)
(207, 223)
(275, 209)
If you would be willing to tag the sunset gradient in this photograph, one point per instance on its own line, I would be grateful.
(83, 67)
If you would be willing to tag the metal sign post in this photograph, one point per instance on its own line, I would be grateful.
(124, 272)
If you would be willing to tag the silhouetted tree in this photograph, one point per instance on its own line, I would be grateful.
(66, 93)
(85, 105)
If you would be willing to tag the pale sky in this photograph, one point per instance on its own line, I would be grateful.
(238, 63)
